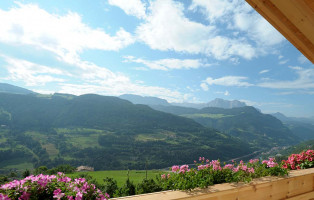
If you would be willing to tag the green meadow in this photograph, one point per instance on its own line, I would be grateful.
(121, 175)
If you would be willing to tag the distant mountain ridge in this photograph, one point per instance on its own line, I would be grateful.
(284, 118)
(7, 88)
(218, 103)
(137, 99)
(302, 127)
(155, 101)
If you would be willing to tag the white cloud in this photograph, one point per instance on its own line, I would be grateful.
(167, 29)
(296, 92)
(229, 81)
(168, 64)
(264, 71)
(100, 80)
(66, 36)
(132, 7)
(267, 104)
(227, 93)
(84, 77)
(257, 28)
(204, 86)
(240, 17)
(305, 80)
(283, 62)
(280, 57)
(295, 67)
(213, 9)
(31, 73)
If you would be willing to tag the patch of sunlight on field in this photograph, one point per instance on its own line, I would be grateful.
(121, 175)
(150, 137)
(81, 141)
(82, 131)
(51, 150)
(158, 136)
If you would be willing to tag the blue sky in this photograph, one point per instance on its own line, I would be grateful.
(182, 51)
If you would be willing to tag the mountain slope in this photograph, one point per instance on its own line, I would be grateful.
(246, 123)
(7, 88)
(104, 132)
(301, 127)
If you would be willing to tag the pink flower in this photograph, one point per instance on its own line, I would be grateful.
(163, 176)
(215, 164)
(25, 196)
(168, 176)
(236, 169)
(228, 166)
(79, 196)
(175, 168)
(200, 167)
(251, 170)
(4, 197)
(252, 161)
(58, 194)
(184, 168)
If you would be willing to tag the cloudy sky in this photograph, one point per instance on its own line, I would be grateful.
(182, 51)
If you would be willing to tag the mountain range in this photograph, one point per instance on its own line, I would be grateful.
(154, 101)
(103, 132)
(113, 133)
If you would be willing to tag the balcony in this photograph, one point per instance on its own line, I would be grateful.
(298, 185)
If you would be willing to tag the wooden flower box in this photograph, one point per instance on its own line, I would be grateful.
(298, 185)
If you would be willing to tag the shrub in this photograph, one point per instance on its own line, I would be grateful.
(110, 186)
(148, 186)
(127, 189)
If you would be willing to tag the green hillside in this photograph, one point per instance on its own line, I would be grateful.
(103, 132)
(246, 123)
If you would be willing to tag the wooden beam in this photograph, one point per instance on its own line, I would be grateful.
(294, 19)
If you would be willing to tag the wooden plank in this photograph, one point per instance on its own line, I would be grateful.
(299, 14)
(306, 196)
(310, 3)
(300, 185)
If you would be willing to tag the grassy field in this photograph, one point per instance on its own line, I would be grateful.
(121, 175)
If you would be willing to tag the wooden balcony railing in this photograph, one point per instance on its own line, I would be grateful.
(298, 185)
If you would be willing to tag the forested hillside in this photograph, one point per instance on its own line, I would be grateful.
(103, 132)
